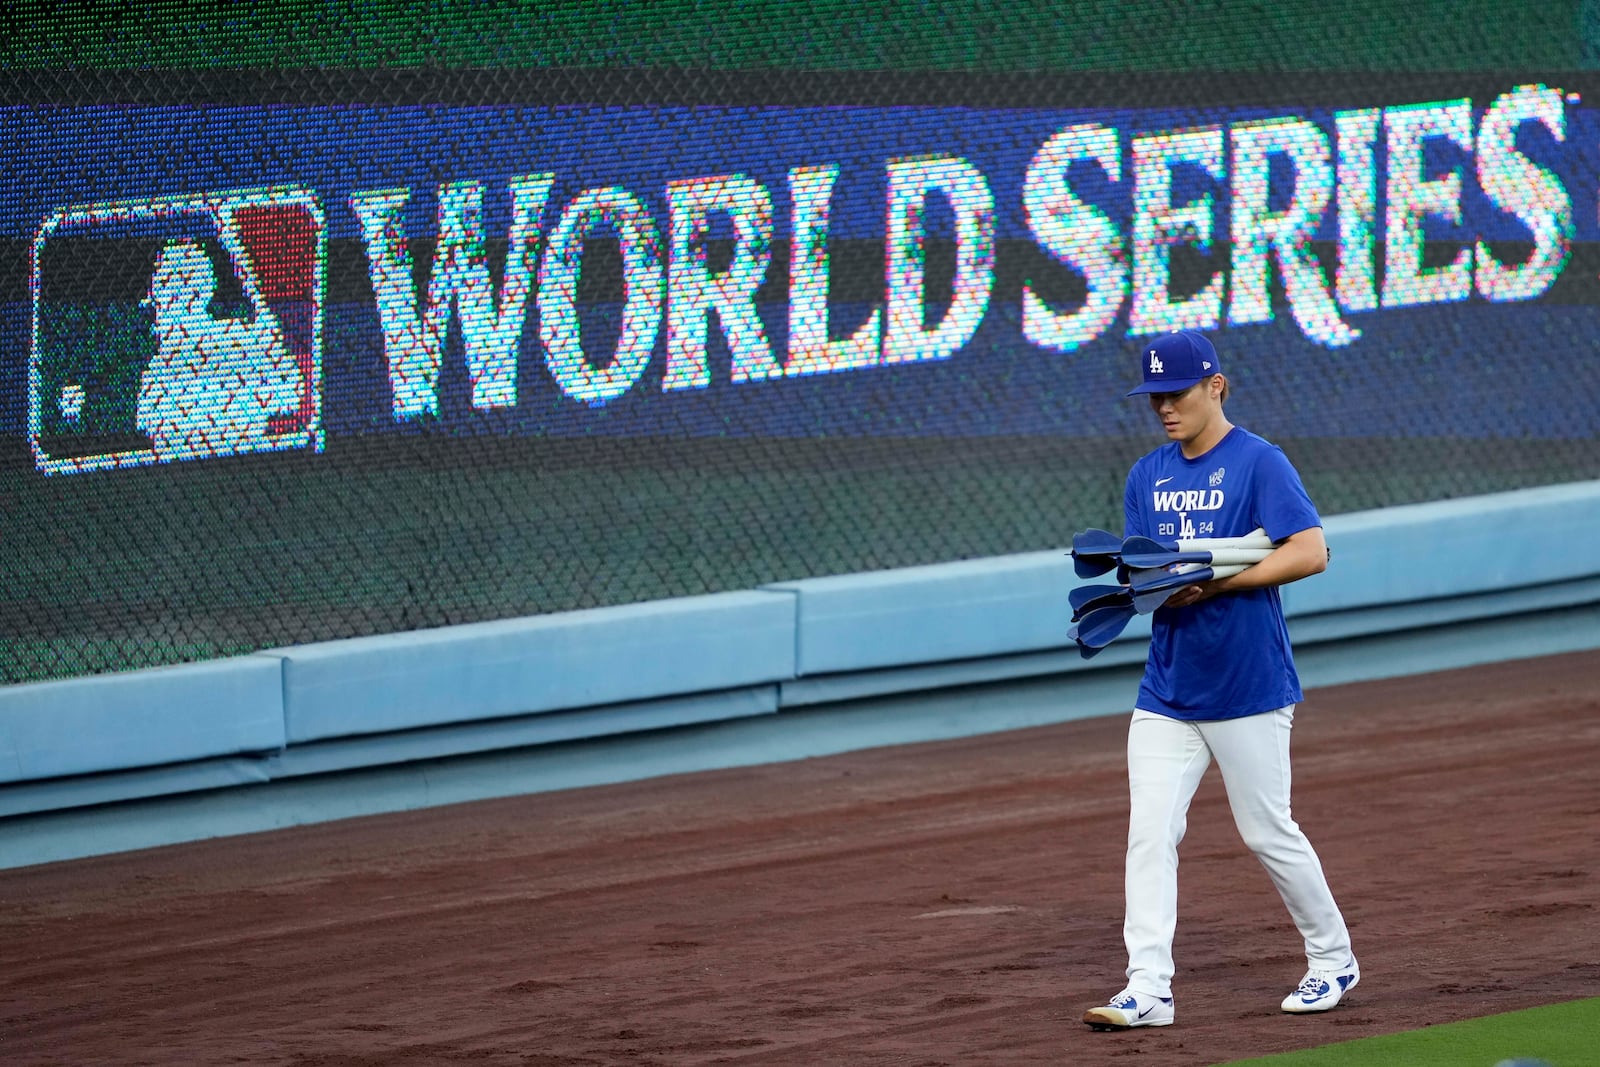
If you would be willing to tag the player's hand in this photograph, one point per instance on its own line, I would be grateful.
(1190, 594)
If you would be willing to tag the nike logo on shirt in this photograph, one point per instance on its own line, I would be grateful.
(1162, 481)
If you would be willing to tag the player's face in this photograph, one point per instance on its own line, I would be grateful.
(1191, 415)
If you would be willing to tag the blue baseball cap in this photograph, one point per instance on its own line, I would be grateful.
(1175, 361)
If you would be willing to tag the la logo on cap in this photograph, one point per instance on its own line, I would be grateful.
(1175, 361)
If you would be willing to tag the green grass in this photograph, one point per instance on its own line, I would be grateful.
(1563, 1035)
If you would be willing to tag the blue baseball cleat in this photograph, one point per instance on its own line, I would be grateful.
(1321, 990)
(1129, 1009)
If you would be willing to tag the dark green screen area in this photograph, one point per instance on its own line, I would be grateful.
(1088, 35)
(198, 560)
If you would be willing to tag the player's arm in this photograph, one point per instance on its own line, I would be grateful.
(1299, 555)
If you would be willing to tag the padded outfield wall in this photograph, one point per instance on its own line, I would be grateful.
(317, 326)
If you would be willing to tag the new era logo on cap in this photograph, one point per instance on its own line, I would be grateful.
(1175, 361)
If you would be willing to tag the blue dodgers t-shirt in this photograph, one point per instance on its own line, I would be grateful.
(1228, 656)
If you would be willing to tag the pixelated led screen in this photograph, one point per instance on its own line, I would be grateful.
(216, 333)
(222, 285)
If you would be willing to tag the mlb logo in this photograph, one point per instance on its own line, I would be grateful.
(177, 328)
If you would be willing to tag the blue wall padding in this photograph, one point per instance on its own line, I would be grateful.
(486, 735)
(141, 718)
(574, 659)
(1455, 547)
(1415, 615)
(133, 783)
(947, 611)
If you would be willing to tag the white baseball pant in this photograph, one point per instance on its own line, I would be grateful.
(1166, 760)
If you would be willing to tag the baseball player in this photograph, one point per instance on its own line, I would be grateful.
(1219, 683)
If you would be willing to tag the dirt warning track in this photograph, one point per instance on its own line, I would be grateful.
(953, 903)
